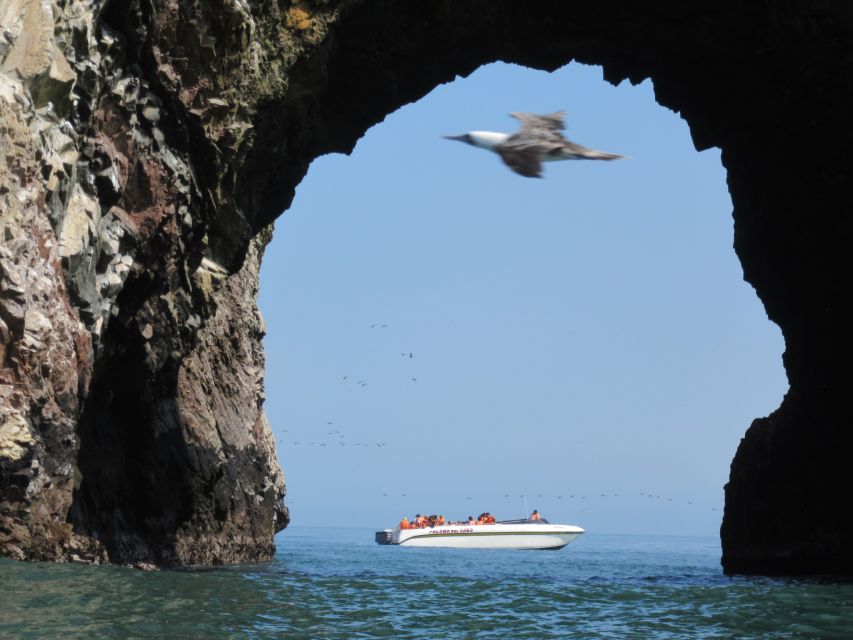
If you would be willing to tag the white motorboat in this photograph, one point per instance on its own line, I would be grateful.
(506, 534)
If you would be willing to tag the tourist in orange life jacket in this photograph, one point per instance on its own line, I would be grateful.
(441, 520)
(404, 523)
(535, 515)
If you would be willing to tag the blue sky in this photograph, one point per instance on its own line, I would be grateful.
(585, 335)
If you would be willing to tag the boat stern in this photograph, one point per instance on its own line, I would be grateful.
(386, 536)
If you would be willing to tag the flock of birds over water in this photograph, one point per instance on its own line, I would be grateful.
(336, 438)
(538, 140)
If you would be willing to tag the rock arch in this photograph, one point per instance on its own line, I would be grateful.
(143, 439)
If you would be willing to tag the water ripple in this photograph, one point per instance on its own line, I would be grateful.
(335, 584)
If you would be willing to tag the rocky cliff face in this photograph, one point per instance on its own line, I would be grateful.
(147, 146)
(132, 427)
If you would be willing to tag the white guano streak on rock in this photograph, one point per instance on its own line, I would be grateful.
(33, 52)
(81, 218)
(15, 436)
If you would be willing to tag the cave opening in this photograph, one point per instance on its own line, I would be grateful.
(228, 104)
(443, 335)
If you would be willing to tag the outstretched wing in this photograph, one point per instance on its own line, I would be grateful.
(526, 161)
(539, 136)
(541, 123)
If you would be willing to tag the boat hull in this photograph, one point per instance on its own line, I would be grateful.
(493, 536)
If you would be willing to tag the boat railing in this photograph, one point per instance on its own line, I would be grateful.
(524, 521)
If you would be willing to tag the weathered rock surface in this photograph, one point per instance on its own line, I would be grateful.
(146, 145)
(120, 437)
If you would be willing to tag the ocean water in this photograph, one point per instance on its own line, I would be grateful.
(337, 583)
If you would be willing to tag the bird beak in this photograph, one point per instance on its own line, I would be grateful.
(462, 138)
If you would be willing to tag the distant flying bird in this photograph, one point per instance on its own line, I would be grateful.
(539, 140)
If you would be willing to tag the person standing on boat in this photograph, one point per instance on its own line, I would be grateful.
(535, 515)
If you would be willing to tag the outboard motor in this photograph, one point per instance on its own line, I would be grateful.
(384, 536)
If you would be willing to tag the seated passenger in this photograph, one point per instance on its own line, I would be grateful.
(471, 521)
(490, 519)
(441, 520)
(535, 515)
(404, 523)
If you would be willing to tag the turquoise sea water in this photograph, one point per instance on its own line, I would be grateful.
(337, 583)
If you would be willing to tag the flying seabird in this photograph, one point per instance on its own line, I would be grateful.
(539, 140)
